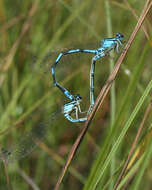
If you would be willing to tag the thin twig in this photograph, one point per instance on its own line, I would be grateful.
(122, 56)
(28, 180)
(104, 91)
(135, 15)
(59, 160)
(9, 185)
(11, 23)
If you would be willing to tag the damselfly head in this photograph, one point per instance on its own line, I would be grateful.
(120, 36)
(78, 97)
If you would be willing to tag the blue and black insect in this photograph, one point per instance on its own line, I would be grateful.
(27, 143)
(106, 46)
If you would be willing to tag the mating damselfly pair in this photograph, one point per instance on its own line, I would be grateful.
(72, 109)
(106, 46)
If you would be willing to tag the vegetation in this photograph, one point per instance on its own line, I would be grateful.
(35, 138)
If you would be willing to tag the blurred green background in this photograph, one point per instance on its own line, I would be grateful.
(32, 34)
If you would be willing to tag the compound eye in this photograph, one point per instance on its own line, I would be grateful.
(119, 35)
(78, 97)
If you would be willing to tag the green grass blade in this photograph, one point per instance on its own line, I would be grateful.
(97, 173)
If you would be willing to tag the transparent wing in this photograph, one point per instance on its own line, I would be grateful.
(26, 143)
(42, 125)
(44, 63)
